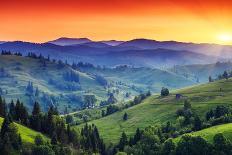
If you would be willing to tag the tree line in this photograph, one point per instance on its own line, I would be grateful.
(226, 75)
(152, 141)
(159, 139)
(52, 125)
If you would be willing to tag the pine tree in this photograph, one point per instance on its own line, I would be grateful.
(221, 144)
(125, 116)
(12, 110)
(29, 89)
(17, 110)
(36, 109)
(69, 134)
(197, 123)
(123, 141)
(97, 139)
(5, 126)
(2, 107)
(225, 75)
(53, 111)
(10, 139)
(5, 147)
(61, 133)
(37, 92)
(210, 79)
(20, 140)
(36, 117)
(168, 147)
(23, 114)
(54, 139)
(14, 136)
(137, 136)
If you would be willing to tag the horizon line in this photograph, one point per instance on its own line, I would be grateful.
(93, 40)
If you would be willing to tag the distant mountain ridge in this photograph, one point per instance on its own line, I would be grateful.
(102, 54)
(64, 41)
(113, 42)
(137, 52)
(224, 51)
(204, 48)
(69, 41)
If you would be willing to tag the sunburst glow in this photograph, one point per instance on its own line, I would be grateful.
(225, 38)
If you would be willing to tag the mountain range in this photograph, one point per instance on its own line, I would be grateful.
(137, 52)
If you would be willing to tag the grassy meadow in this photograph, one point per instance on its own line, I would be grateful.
(158, 110)
(28, 135)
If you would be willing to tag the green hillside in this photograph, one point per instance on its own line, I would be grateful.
(208, 133)
(48, 76)
(17, 71)
(157, 110)
(28, 135)
(202, 71)
(143, 78)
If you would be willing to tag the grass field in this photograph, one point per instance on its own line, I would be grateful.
(28, 135)
(208, 134)
(156, 110)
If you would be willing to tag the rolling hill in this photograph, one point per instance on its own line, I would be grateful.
(156, 110)
(142, 78)
(16, 73)
(28, 135)
(208, 133)
(202, 71)
(54, 89)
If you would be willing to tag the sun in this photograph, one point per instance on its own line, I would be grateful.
(225, 38)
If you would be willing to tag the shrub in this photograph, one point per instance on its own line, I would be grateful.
(42, 150)
(39, 140)
(164, 92)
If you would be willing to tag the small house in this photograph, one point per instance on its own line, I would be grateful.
(179, 96)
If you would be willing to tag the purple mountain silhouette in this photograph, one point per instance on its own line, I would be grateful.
(69, 41)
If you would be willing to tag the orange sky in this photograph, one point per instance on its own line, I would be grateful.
(181, 20)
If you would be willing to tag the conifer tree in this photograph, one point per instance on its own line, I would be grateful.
(12, 110)
(10, 139)
(17, 110)
(125, 116)
(36, 117)
(137, 136)
(37, 92)
(123, 141)
(23, 114)
(197, 125)
(69, 134)
(5, 147)
(2, 107)
(5, 126)
(54, 139)
(36, 109)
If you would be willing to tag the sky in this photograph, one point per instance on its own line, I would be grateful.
(200, 21)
